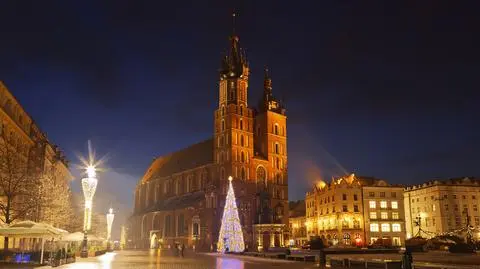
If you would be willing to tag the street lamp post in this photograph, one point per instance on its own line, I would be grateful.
(110, 217)
(89, 186)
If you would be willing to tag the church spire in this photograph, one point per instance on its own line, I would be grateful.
(234, 64)
(268, 101)
(233, 23)
(267, 82)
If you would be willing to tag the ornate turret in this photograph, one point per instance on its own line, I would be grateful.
(268, 101)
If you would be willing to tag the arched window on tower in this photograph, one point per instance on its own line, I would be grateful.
(241, 124)
(277, 148)
(232, 90)
(223, 111)
(241, 140)
(261, 176)
(275, 129)
(222, 173)
(223, 126)
(241, 110)
(277, 163)
(279, 178)
(243, 174)
(242, 158)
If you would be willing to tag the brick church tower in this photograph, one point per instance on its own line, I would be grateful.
(250, 145)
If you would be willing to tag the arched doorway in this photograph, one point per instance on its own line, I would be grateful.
(266, 241)
(153, 241)
(277, 239)
(346, 239)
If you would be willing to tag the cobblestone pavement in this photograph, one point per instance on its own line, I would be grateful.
(431, 259)
(155, 259)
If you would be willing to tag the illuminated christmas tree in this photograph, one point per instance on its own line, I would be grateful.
(231, 235)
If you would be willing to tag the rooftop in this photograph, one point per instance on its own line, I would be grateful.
(188, 158)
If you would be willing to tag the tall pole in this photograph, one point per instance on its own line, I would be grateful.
(89, 186)
(110, 217)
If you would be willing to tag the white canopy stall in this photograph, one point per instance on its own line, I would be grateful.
(78, 236)
(30, 229)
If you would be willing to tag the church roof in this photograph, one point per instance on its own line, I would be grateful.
(194, 156)
(176, 202)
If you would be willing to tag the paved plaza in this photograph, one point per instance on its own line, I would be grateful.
(155, 259)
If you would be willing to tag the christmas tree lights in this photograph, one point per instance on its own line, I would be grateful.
(231, 235)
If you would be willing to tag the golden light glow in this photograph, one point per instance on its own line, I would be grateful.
(90, 165)
(321, 184)
(230, 178)
(91, 171)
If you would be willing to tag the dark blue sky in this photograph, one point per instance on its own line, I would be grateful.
(381, 89)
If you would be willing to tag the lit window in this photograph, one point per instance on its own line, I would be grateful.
(373, 215)
(395, 227)
(394, 205)
(434, 208)
(395, 215)
(373, 204)
(373, 227)
(385, 227)
(383, 204)
(384, 215)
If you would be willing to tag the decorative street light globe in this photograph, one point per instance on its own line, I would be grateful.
(110, 217)
(89, 186)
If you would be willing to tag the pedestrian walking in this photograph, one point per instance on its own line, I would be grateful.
(407, 260)
(182, 249)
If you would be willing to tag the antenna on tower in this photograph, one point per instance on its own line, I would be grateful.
(233, 22)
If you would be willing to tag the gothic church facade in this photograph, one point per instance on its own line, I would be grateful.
(180, 198)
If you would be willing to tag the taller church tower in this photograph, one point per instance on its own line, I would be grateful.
(250, 145)
(233, 118)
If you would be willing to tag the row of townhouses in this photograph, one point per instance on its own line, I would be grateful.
(361, 211)
(28, 153)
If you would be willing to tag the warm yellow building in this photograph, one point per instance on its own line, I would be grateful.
(442, 206)
(384, 213)
(26, 146)
(298, 231)
(355, 211)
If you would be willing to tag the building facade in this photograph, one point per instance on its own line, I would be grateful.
(384, 214)
(355, 211)
(28, 149)
(443, 206)
(298, 231)
(180, 198)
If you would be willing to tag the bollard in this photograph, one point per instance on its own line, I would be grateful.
(322, 258)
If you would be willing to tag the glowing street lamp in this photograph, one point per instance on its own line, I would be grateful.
(110, 217)
(89, 186)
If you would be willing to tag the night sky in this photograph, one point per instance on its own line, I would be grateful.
(377, 89)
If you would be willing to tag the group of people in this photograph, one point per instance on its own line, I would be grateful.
(180, 250)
